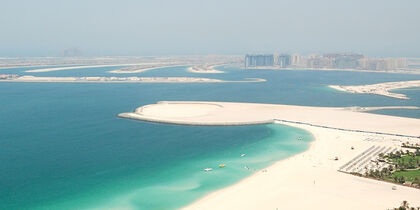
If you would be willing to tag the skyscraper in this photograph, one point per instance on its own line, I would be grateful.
(259, 60)
(283, 60)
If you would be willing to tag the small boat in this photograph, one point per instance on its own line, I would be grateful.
(208, 169)
(243, 155)
(246, 167)
(222, 165)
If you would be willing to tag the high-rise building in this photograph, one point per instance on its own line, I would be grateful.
(283, 60)
(319, 62)
(259, 60)
(295, 59)
(383, 63)
(344, 61)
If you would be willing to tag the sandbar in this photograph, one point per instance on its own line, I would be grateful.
(204, 69)
(28, 78)
(141, 68)
(76, 67)
(380, 88)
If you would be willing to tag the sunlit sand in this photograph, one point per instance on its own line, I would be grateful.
(309, 180)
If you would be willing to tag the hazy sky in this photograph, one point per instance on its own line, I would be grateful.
(164, 27)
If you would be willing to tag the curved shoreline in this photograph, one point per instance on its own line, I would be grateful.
(315, 180)
(380, 88)
(246, 113)
(28, 78)
(205, 69)
(139, 69)
(76, 67)
(310, 179)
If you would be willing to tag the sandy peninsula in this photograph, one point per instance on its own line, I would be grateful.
(368, 109)
(27, 78)
(204, 69)
(141, 68)
(380, 88)
(76, 67)
(309, 180)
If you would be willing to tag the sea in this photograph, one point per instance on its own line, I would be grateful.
(62, 145)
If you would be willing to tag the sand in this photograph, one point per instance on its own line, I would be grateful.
(204, 69)
(368, 109)
(252, 113)
(28, 78)
(76, 67)
(113, 79)
(309, 180)
(140, 69)
(380, 88)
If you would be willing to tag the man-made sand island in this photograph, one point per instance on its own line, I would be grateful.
(134, 68)
(204, 69)
(380, 88)
(15, 78)
(201, 69)
(75, 67)
(368, 109)
(141, 68)
(309, 180)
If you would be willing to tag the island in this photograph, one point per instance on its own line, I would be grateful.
(204, 69)
(380, 88)
(28, 78)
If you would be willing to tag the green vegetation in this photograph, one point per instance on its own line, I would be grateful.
(404, 168)
(406, 206)
(411, 176)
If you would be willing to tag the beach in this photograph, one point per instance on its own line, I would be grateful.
(111, 79)
(310, 180)
(141, 68)
(228, 113)
(76, 67)
(380, 88)
(204, 69)
(122, 79)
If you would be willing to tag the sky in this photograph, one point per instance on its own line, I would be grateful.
(383, 28)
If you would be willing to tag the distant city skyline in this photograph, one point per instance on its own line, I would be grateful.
(186, 27)
(325, 61)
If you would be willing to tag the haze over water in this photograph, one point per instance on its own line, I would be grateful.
(163, 27)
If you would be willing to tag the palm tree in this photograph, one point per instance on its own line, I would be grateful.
(404, 204)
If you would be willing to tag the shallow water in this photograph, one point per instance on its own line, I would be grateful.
(62, 146)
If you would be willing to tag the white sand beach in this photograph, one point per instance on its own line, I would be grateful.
(141, 68)
(77, 67)
(28, 78)
(113, 79)
(309, 180)
(367, 109)
(204, 69)
(380, 88)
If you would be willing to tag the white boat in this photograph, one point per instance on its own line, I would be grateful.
(243, 155)
(208, 169)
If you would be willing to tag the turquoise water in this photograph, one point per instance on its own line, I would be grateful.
(62, 146)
